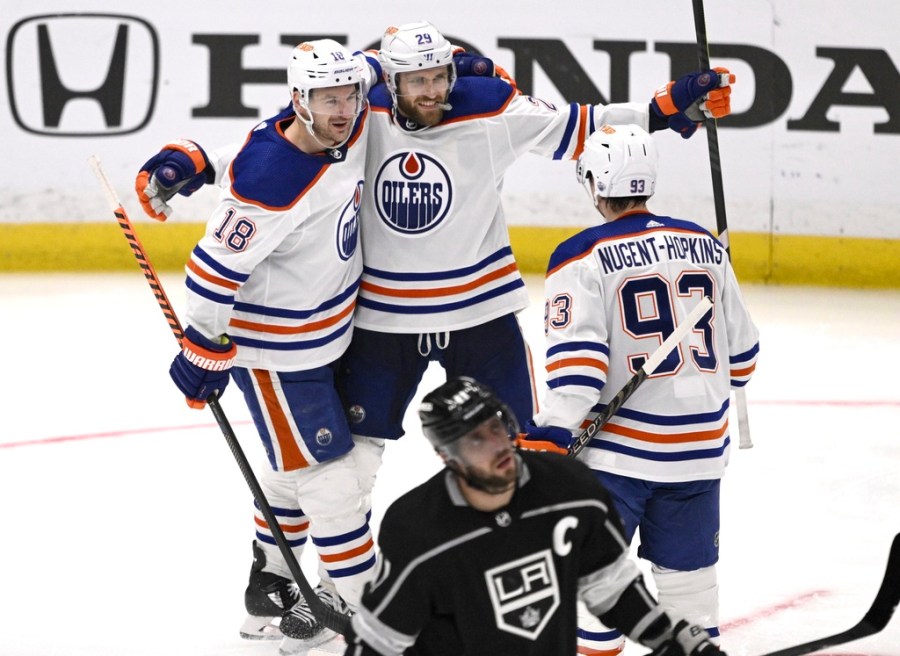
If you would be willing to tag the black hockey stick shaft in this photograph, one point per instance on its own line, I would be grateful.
(875, 619)
(715, 169)
(328, 616)
(660, 354)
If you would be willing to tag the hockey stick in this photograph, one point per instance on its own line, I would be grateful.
(329, 617)
(875, 619)
(660, 354)
(715, 168)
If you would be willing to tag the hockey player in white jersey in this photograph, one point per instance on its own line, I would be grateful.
(489, 555)
(440, 282)
(271, 288)
(613, 293)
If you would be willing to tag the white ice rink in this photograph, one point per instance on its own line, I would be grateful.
(126, 525)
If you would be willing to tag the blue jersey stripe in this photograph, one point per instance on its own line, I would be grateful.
(350, 571)
(207, 259)
(297, 314)
(443, 307)
(745, 356)
(506, 251)
(200, 290)
(583, 381)
(567, 135)
(343, 538)
(668, 420)
(578, 346)
(668, 456)
(292, 346)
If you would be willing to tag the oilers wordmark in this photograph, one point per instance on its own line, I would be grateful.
(413, 192)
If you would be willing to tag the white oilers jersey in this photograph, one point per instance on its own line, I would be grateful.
(613, 293)
(278, 269)
(436, 247)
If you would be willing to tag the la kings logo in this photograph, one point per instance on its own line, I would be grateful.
(524, 594)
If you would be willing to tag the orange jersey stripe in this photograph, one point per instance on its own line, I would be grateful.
(674, 438)
(582, 128)
(577, 362)
(439, 291)
(291, 456)
(347, 555)
(287, 528)
(216, 280)
(744, 372)
(293, 330)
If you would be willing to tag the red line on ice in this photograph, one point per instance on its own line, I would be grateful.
(120, 433)
(799, 600)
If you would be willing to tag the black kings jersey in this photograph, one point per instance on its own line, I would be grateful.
(454, 580)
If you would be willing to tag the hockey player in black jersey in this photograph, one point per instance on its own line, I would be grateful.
(490, 555)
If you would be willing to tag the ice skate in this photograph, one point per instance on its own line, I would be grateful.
(302, 631)
(266, 598)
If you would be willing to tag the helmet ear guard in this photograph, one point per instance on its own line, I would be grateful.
(458, 407)
(618, 161)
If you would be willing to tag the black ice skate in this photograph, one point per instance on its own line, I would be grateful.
(266, 599)
(302, 630)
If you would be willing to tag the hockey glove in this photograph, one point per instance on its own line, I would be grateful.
(201, 369)
(469, 64)
(180, 167)
(691, 99)
(544, 438)
(687, 640)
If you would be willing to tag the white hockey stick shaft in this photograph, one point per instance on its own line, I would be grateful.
(669, 344)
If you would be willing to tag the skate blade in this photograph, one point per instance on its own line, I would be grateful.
(337, 645)
(261, 628)
(294, 647)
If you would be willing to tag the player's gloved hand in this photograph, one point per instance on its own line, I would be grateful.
(687, 640)
(469, 64)
(692, 98)
(544, 438)
(180, 167)
(201, 368)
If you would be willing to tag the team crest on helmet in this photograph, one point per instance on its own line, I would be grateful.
(524, 594)
(413, 192)
(348, 225)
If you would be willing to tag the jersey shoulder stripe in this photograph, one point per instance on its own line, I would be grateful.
(273, 174)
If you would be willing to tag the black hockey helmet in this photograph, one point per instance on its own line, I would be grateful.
(457, 407)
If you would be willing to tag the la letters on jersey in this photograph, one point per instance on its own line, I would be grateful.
(632, 253)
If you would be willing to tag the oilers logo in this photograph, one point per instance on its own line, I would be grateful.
(348, 225)
(413, 192)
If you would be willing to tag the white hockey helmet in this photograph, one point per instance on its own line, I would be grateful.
(320, 64)
(414, 47)
(618, 161)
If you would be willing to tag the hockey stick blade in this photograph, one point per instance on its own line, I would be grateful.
(874, 621)
(327, 615)
(660, 354)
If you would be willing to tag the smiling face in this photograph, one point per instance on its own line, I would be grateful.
(420, 94)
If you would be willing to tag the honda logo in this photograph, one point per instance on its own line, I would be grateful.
(82, 75)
